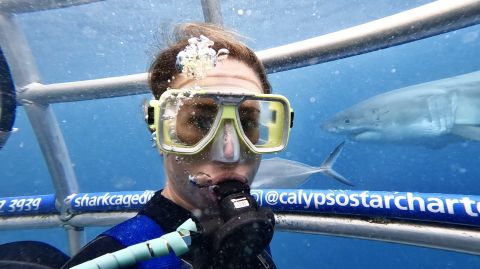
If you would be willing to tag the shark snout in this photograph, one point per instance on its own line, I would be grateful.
(329, 127)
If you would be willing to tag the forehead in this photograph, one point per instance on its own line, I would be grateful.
(229, 74)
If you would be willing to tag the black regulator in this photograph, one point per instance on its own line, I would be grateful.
(244, 229)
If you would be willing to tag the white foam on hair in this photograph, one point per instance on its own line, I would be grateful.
(198, 57)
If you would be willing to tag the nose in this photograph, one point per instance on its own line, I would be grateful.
(226, 144)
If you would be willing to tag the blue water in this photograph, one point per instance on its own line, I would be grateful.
(109, 143)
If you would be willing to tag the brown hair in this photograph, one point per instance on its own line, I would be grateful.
(163, 68)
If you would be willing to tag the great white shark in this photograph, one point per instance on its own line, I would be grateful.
(431, 114)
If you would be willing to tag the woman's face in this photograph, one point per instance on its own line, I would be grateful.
(229, 74)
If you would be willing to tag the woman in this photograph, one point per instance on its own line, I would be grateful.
(212, 120)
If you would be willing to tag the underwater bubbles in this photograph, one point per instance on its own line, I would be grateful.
(198, 57)
(458, 168)
(89, 32)
(179, 159)
(470, 37)
(242, 12)
(123, 182)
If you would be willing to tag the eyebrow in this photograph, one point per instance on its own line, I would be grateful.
(249, 108)
(201, 103)
(208, 106)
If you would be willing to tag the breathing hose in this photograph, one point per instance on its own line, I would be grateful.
(177, 241)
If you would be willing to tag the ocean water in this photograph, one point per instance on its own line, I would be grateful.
(110, 147)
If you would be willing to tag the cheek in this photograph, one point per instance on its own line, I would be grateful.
(253, 167)
(178, 169)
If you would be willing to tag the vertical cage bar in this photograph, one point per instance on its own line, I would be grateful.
(42, 118)
(212, 12)
(76, 238)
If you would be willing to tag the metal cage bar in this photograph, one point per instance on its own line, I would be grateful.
(452, 238)
(422, 22)
(41, 118)
(23, 6)
(425, 21)
(212, 12)
(441, 237)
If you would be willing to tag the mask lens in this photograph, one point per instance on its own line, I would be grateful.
(249, 112)
(195, 119)
(262, 122)
(190, 120)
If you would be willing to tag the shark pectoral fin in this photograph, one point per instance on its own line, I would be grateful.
(441, 108)
(471, 132)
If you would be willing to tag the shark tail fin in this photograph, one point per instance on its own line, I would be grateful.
(327, 165)
(467, 131)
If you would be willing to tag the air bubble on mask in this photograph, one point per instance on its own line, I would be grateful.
(178, 159)
(198, 57)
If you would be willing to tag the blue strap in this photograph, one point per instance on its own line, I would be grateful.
(140, 229)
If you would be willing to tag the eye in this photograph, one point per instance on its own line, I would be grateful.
(202, 123)
(248, 124)
(347, 121)
(249, 118)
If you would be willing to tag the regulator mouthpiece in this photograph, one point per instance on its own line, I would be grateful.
(234, 198)
(247, 228)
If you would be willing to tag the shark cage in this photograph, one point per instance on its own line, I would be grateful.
(444, 221)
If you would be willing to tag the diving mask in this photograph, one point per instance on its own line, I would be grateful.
(186, 121)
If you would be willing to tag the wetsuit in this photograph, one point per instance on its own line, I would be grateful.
(168, 216)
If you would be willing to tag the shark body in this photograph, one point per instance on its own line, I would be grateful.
(431, 114)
